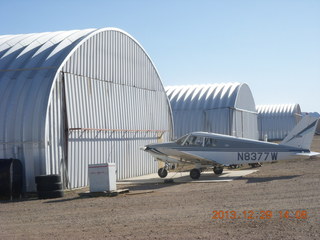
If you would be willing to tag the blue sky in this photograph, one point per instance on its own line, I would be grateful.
(272, 45)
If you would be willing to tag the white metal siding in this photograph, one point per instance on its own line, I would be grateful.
(218, 121)
(28, 63)
(276, 121)
(101, 67)
(221, 108)
(115, 88)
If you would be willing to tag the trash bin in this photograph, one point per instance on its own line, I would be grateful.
(10, 178)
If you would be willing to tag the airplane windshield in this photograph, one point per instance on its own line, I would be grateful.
(191, 140)
(194, 141)
(181, 140)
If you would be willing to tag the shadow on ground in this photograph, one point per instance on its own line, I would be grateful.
(133, 189)
(267, 179)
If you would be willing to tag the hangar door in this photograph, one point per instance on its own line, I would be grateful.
(101, 130)
(245, 124)
(218, 120)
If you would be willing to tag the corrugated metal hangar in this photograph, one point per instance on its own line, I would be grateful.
(73, 98)
(226, 108)
(276, 121)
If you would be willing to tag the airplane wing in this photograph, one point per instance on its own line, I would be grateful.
(186, 158)
(195, 159)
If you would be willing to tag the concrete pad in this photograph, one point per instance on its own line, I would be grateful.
(183, 177)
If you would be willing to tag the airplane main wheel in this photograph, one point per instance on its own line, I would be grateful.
(195, 173)
(218, 170)
(162, 172)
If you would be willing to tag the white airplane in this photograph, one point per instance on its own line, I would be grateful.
(205, 150)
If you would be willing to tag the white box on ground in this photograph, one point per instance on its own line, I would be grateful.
(102, 177)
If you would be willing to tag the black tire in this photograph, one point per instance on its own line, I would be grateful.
(50, 194)
(49, 187)
(48, 179)
(162, 172)
(195, 173)
(218, 170)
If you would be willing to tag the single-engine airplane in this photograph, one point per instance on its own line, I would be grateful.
(211, 150)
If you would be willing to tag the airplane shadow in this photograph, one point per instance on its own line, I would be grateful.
(267, 179)
(152, 186)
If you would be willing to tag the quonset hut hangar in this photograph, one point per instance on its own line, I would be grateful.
(226, 108)
(73, 98)
(276, 121)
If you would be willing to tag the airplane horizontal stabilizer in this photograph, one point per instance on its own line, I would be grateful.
(310, 154)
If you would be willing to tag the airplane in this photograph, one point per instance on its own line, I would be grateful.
(212, 150)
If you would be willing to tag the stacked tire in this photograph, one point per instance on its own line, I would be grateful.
(49, 186)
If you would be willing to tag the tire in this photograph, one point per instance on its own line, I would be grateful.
(195, 173)
(50, 194)
(218, 170)
(48, 179)
(49, 187)
(162, 172)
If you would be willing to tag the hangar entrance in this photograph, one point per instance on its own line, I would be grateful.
(86, 142)
(230, 121)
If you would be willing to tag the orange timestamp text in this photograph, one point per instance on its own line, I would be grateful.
(264, 214)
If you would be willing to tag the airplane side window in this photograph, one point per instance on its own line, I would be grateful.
(210, 142)
(192, 140)
(199, 141)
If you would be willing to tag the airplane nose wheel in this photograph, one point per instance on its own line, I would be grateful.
(195, 173)
(162, 172)
(218, 170)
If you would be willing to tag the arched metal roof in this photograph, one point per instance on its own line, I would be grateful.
(226, 108)
(279, 109)
(28, 64)
(211, 96)
(122, 84)
(38, 50)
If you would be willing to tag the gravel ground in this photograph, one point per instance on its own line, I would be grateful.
(181, 211)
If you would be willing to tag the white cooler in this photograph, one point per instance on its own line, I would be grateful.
(102, 177)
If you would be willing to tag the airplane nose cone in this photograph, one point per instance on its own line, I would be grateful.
(145, 148)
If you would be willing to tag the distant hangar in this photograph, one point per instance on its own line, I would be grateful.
(73, 98)
(226, 108)
(276, 121)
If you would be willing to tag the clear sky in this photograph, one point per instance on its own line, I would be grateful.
(272, 45)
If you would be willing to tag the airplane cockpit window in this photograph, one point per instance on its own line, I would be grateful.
(194, 141)
(181, 140)
(210, 142)
(199, 141)
(191, 140)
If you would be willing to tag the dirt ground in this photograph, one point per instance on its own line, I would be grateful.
(181, 211)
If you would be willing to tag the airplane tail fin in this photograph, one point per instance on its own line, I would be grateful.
(302, 134)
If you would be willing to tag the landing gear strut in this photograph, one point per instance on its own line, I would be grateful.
(162, 172)
(195, 173)
(218, 170)
(254, 165)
